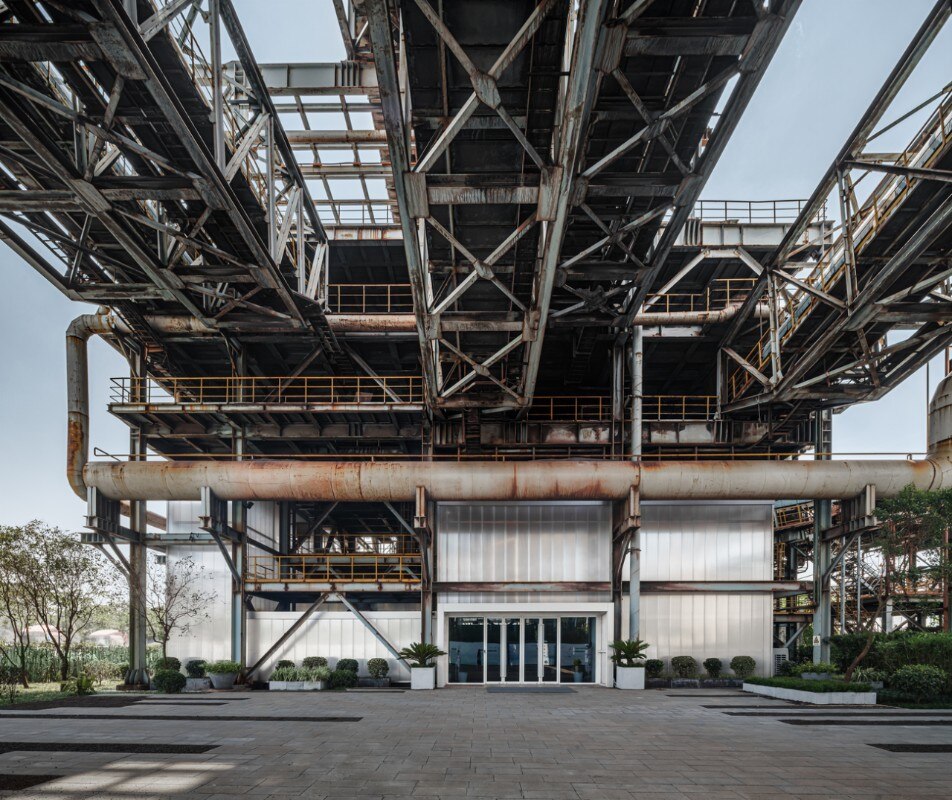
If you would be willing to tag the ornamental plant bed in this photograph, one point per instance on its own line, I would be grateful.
(811, 691)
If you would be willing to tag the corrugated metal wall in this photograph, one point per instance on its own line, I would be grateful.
(334, 635)
(522, 542)
(707, 542)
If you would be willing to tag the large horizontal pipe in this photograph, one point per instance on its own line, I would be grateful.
(538, 480)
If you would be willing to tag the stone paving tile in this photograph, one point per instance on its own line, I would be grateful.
(597, 744)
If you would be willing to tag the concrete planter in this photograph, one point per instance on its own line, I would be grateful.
(314, 686)
(817, 698)
(197, 684)
(629, 677)
(423, 678)
(223, 680)
(374, 683)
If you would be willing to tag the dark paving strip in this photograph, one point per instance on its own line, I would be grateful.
(173, 703)
(914, 748)
(85, 701)
(839, 712)
(180, 717)
(530, 690)
(103, 747)
(722, 706)
(12, 783)
(704, 694)
(903, 723)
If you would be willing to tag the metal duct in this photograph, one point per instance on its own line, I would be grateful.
(518, 480)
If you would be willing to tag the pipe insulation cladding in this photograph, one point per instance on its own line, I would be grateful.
(517, 480)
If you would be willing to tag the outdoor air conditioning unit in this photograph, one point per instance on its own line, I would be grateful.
(780, 654)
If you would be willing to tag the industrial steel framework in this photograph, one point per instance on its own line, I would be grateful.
(501, 255)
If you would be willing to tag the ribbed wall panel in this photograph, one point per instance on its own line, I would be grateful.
(523, 542)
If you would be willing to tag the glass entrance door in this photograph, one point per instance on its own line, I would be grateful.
(522, 649)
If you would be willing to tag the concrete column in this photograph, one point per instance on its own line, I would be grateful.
(239, 619)
(138, 674)
(637, 389)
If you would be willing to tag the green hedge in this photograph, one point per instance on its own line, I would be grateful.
(804, 685)
(43, 663)
(891, 651)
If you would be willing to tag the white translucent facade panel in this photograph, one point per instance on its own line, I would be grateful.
(523, 597)
(706, 542)
(209, 638)
(532, 542)
(333, 635)
(707, 625)
(262, 519)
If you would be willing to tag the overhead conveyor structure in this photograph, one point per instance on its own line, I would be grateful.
(468, 263)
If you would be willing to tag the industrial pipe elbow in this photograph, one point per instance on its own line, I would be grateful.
(77, 394)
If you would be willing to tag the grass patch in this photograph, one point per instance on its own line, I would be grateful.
(804, 685)
(36, 693)
(889, 698)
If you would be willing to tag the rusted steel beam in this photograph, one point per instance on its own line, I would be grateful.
(523, 586)
(769, 587)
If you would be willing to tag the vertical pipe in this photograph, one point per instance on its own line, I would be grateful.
(822, 616)
(859, 582)
(618, 399)
(634, 585)
(946, 609)
(637, 390)
(775, 369)
(218, 100)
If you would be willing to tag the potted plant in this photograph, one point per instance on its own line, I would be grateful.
(629, 657)
(282, 679)
(685, 672)
(315, 678)
(379, 669)
(820, 671)
(223, 674)
(197, 680)
(420, 656)
(577, 670)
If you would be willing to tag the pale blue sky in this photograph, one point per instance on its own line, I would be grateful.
(827, 70)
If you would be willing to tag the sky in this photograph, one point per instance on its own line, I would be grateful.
(830, 65)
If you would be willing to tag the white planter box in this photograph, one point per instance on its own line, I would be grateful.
(423, 678)
(296, 686)
(817, 698)
(313, 686)
(629, 677)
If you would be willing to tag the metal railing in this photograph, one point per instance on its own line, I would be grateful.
(751, 212)
(598, 408)
(321, 390)
(336, 568)
(355, 212)
(794, 308)
(374, 298)
(719, 294)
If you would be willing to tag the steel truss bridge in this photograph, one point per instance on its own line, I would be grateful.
(478, 235)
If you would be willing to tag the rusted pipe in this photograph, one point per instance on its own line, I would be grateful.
(535, 480)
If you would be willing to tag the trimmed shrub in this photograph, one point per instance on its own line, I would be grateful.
(684, 666)
(195, 668)
(312, 662)
(818, 667)
(168, 663)
(169, 681)
(222, 668)
(378, 668)
(654, 667)
(343, 679)
(788, 669)
(743, 666)
(920, 681)
(285, 662)
(713, 667)
(348, 665)
(868, 674)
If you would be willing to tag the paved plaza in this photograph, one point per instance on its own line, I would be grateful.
(592, 744)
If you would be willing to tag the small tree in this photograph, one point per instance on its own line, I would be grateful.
(913, 550)
(15, 610)
(175, 599)
(64, 582)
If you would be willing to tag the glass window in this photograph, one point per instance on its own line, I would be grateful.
(550, 652)
(513, 650)
(466, 650)
(493, 649)
(531, 651)
(578, 650)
